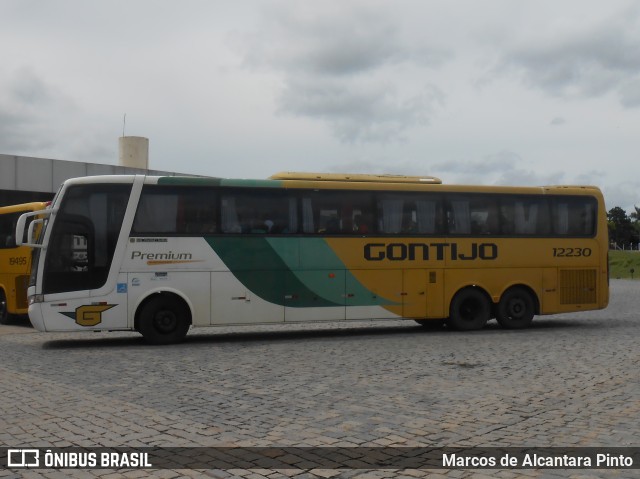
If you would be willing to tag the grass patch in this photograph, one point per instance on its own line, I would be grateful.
(622, 262)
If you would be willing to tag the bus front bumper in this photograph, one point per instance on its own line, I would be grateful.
(35, 316)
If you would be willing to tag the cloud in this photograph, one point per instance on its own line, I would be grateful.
(502, 168)
(558, 121)
(630, 93)
(24, 97)
(623, 194)
(38, 118)
(590, 61)
(331, 39)
(366, 112)
(347, 66)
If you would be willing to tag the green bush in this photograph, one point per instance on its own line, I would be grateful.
(622, 262)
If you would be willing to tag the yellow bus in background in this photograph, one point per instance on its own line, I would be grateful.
(159, 255)
(15, 263)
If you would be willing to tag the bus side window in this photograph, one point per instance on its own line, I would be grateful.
(157, 213)
(474, 214)
(485, 219)
(170, 210)
(229, 216)
(7, 231)
(410, 214)
(308, 221)
(392, 219)
(459, 217)
(528, 216)
(574, 217)
(266, 211)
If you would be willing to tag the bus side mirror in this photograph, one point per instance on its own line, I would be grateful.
(20, 225)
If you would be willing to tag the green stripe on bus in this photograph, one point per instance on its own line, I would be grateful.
(263, 272)
(314, 254)
(295, 272)
(188, 181)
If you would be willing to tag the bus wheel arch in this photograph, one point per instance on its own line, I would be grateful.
(469, 309)
(517, 307)
(163, 317)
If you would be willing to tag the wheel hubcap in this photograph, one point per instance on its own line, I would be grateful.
(517, 308)
(469, 310)
(165, 321)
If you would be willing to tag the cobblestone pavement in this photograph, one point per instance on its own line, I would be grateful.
(570, 380)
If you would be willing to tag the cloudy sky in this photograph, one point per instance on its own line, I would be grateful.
(477, 91)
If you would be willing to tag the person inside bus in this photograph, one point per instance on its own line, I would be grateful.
(409, 226)
(360, 224)
(268, 225)
(332, 226)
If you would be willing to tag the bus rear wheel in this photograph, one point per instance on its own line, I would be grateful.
(516, 309)
(469, 310)
(164, 320)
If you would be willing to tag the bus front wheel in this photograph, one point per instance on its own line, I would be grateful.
(470, 309)
(164, 319)
(5, 317)
(515, 309)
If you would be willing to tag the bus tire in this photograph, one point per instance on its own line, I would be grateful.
(164, 319)
(516, 308)
(470, 309)
(5, 317)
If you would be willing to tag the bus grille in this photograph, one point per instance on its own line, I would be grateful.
(22, 283)
(578, 286)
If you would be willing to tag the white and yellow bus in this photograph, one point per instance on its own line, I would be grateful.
(15, 263)
(158, 255)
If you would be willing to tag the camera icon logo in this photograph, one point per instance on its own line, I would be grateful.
(23, 458)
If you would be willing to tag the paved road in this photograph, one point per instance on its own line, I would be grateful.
(570, 380)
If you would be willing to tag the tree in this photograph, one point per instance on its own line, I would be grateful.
(620, 228)
(635, 223)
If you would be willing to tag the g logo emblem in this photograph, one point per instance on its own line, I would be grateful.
(89, 315)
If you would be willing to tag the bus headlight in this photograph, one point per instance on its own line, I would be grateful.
(36, 298)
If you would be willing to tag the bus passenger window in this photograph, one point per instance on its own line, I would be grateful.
(474, 214)
(7, 230)
(459, 219)
(410, 214)
(175, 210)
(574, 216)
(253, 211)
(229, 216)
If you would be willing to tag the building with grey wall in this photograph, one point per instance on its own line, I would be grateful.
(24, 179)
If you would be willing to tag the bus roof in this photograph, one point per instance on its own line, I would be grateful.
(343, 181)
(356, 177)
(32, 206)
